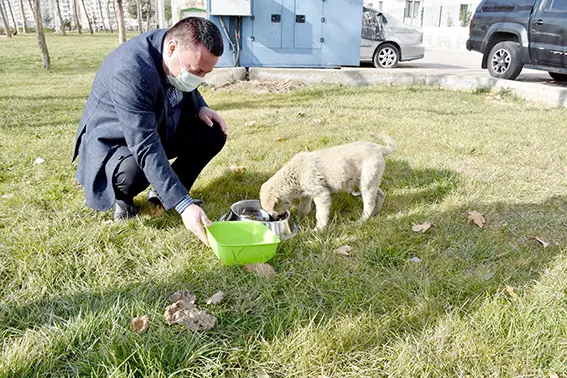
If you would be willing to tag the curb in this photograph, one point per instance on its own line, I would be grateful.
(554, 96)
(224, 76)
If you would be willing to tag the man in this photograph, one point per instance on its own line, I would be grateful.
(144, 108)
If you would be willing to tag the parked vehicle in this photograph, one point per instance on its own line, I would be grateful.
(387, 41)
(513, 34)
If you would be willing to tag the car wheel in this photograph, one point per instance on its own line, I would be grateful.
(504, 60)
(558, 77)
(386, 56)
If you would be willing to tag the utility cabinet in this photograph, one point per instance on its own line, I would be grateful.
(291, 33)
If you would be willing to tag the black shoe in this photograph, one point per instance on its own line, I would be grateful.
(153, 197)
(124, 211)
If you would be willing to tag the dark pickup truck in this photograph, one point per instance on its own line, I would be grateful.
(512, 34)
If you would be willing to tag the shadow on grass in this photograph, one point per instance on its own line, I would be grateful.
(314, 285)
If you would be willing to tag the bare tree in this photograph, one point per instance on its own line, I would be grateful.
(77, 18)
(23, 14)
(139, 16)
(87, 15)
(149, 16)
(41, 36)
(108, 13)
(121, 26)
(13, 18)
(5, 21)
(31, 6)
(101, 15)
(61, 23)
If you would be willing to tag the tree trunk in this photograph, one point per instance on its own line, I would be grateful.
(24, 21)
(4, 18)
(149, 15)
(76, 14)
(121, 26)
(5, 21)
(31, 7)
(108, 12)
(139, 16)
(13, 18)
(88, 18)
(101, 15)
(41, 36)
(61, 24)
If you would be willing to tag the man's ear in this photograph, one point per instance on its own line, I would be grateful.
(171, 46)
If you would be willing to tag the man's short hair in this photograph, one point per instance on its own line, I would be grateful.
(197, 31)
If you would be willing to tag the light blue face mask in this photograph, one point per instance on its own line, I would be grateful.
(185, 80)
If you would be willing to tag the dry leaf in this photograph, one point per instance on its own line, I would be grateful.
(182, 295)
(300, 114)
(344, 250)
(39, 161)
(476, 218)
(552, 375)
(238, 168)
(317, 120)
(7, 196)
(422, 227)
(216, 298)
(542, 242)
(510, 291)
(279, 139)
(263, 270)
(250, 123)
(183, 311)
(141, 324)
(415, 260)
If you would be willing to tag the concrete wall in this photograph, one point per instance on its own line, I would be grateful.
(453, 38)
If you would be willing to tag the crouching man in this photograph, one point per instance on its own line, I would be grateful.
(144, 109)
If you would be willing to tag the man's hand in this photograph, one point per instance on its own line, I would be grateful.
(208, 116)
(195, 219)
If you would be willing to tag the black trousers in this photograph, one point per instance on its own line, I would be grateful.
(194, 145)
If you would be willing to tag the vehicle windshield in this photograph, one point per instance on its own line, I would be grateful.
(391, 20)
(373, 16)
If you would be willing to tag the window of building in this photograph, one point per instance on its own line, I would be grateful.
(412, 9)
(465, 14)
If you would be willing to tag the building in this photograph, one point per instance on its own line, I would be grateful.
(428, 13)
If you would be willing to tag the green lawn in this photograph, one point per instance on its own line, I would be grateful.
(71, 280)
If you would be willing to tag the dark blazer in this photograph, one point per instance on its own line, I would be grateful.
(125, 114)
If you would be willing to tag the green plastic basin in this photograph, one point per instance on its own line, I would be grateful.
(242, 242)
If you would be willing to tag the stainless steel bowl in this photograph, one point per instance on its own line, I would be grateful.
(250, 210)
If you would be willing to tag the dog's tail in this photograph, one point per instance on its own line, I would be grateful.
(390, 143)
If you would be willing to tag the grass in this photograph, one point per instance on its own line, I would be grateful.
(71, 280)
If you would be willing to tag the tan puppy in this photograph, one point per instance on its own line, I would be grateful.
(314, 176)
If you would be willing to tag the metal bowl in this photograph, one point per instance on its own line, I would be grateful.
(251, 210)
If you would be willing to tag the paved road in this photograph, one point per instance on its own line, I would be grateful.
(466, 62)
